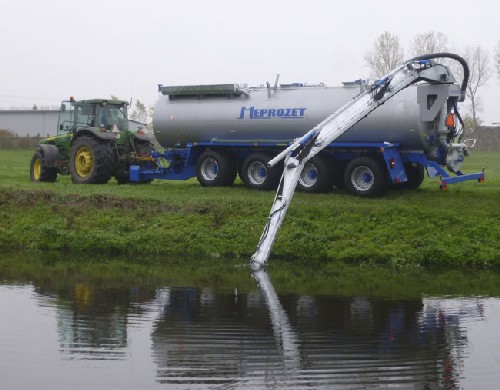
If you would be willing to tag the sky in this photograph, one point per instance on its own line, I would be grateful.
(54, 49)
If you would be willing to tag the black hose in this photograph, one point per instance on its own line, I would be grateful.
(455, 57)
(460, 120)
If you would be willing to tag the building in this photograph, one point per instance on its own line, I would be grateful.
(30, 123)
(38, 123)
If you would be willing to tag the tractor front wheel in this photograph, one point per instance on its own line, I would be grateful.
(39, 171)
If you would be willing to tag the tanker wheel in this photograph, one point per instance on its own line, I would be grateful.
(257, 175)
(338, 170)
(39, 171)
(91, 161)
(316, 177)
(415, 174)
(365, 176)
(215, 169)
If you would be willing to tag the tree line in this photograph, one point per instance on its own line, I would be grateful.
(387, 53)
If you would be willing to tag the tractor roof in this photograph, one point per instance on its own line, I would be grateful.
(99, 101)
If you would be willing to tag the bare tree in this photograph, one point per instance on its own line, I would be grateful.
(429, 42)
(478, 60)
(140, 113)
(386, 54)
(497, 59)
(151, 111)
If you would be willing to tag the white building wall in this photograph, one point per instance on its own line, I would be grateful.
(30, 123)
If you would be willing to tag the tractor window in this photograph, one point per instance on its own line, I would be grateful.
(65, 117)
(112, 114)
(85, 114)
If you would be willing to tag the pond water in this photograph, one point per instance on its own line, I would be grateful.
(83, 335)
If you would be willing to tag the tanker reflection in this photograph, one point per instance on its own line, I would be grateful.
(209, 337)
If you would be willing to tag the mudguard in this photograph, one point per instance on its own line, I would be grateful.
(50, 154)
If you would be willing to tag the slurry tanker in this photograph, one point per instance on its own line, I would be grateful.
(217, 132)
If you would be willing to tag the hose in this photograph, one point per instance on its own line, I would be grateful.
(455, 57)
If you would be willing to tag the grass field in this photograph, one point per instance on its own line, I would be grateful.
(459, 227)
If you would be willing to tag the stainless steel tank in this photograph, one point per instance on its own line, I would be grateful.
(229, 113)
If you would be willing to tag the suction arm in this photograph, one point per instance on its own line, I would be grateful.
(455, 57)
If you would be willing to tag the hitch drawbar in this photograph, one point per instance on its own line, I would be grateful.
(444, 181)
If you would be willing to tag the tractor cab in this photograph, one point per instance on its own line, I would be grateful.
(97, 115)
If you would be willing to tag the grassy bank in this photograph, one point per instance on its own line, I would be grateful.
(458, 227)
(60, 271)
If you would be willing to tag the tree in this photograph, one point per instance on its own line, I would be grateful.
(386, 54)
(479, 72)
(151, 111)
(140, 113)
(429, 42)
(497, 59)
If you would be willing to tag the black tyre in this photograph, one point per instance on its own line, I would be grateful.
(216, 169)
(365, 176)
(257, 175)
(415, 174)
(39, 171)
(91, 161)
(338, 174)
(316, 177)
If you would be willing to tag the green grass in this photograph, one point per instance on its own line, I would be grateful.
(459, 227)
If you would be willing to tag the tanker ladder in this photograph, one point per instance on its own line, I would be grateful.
(295, 157)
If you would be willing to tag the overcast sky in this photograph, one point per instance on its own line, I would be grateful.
(96, 48)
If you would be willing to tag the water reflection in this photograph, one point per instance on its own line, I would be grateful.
(92, 322)
(228, 337)
(284, 334)
(207, 337)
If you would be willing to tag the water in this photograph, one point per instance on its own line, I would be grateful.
(82, 335)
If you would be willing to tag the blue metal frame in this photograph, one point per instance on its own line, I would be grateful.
(181, 162)
(436, 170)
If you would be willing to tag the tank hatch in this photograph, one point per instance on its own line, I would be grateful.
(201, 90)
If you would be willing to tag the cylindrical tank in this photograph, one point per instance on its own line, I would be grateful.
(280, 115)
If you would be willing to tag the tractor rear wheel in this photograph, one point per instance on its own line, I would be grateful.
(38, 171)
(91, 161)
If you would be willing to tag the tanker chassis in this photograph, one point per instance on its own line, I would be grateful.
(216, 132)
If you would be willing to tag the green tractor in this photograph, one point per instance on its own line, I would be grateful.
(93, 144)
